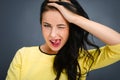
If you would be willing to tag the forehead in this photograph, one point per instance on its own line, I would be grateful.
(60, 0)
(53, 16)
(51, 13)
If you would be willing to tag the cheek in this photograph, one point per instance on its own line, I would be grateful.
(45, 33)
(65, 34)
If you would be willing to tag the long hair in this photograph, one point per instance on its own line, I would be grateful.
(67, 57)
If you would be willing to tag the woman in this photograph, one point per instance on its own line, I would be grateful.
(64, 55)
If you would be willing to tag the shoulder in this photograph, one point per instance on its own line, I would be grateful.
(28, 51)
(25, 56)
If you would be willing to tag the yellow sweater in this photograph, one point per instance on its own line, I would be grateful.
(30, 63)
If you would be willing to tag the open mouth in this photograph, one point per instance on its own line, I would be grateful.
(55, 42)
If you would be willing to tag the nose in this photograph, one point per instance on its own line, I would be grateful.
(53, 33)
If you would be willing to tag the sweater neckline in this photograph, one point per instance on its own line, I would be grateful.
(45, 52)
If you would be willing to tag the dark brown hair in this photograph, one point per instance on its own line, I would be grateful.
(67, 57)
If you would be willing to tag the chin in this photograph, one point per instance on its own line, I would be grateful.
(55, 49)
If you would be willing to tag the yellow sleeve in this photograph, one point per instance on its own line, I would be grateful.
(109, 54)
(14, 71)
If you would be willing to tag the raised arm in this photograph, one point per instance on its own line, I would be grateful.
(104, 33)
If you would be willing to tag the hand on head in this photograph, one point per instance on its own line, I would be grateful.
(60, 0)
(68, 15)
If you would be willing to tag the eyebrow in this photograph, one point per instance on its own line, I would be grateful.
(61, 25)
(45, 23)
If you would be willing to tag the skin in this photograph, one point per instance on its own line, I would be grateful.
(104, 33)
(61, 0)
(55, 30)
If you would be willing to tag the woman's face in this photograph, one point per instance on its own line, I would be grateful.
(55, 30)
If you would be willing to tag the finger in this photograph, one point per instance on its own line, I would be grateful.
(54, 5)
(59, 7)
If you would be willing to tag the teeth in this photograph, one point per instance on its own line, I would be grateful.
(55, 41)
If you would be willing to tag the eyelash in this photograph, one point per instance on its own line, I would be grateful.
(46, 25)
(59, 27)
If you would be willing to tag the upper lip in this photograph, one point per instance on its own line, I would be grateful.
(55, 40)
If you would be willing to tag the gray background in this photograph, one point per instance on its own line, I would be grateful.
(19, 26)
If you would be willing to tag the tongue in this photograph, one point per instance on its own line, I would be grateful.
(55, 42)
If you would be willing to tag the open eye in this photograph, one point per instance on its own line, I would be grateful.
(46, 25)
